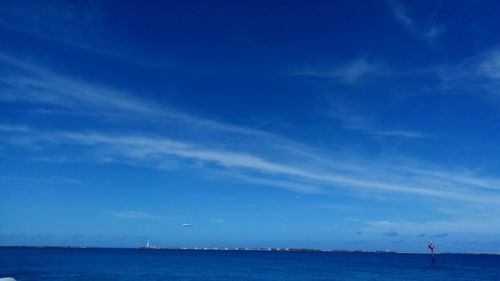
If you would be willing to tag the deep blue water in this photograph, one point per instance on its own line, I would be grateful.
(145, 265)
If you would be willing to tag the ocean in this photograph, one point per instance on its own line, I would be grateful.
(60, 264)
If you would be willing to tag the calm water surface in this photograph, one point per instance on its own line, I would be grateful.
(131, 264)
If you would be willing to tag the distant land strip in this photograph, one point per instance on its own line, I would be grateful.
(264, 249)
(253, 249)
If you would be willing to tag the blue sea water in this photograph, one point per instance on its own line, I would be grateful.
(132, 264)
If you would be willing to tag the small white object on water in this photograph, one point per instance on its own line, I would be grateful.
(7, 279)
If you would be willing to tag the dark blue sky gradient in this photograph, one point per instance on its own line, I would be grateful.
(357, 124)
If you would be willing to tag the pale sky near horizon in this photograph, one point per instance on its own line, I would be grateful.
(323, 124)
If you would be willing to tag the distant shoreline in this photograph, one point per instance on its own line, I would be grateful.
(252, 249)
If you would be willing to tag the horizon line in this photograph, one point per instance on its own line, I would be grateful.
(260, 249)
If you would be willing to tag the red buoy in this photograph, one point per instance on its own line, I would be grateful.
(432, 246)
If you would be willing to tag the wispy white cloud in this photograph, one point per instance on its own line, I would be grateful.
(29, 180)
(41, 86)
(132, 215)
(140, 215)
(296, 185)
(81, 26)
(14, 128)
(434, 31)
(397, 133)
(352, 120)
(462, 177)
(318, 178)
(349, 72)
(349, 118)
(401, 14)
(217, 220)
(477, 76)
(462, 225)
(263, 158)
(356, 69)
(489, 65)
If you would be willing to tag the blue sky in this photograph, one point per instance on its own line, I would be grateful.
(356, 125)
